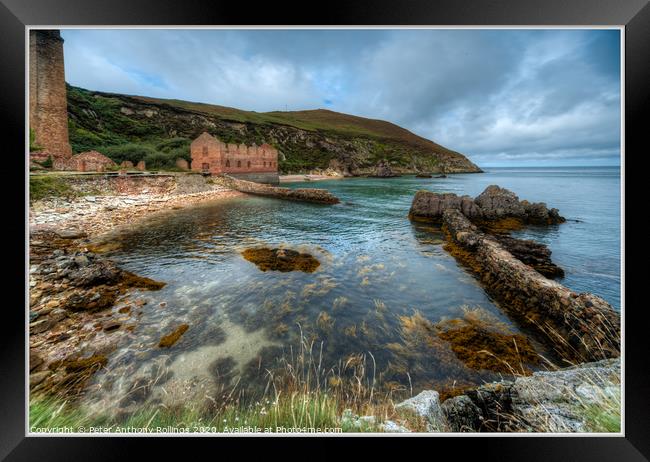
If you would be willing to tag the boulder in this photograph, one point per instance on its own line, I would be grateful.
(462, 414)
(427, 406)
(391, 427)
(496, 202)
(535, 255)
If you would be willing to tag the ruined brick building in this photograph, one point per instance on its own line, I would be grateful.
(48, 107)
(254, 163)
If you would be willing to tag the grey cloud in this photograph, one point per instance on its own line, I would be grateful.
(498, 96)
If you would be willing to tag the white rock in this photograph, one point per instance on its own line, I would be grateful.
(426, 405)
(392, 427)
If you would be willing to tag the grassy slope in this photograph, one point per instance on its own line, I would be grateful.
(308, 139)
(312, 120)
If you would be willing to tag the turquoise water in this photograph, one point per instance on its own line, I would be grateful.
(377, 268)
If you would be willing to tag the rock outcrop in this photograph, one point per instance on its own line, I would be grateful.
(497, 203)
(383, 170)
(535, 255)
(493, 204)
(321, 196)
(548, 401)
(428, 206)
(580, 327)
(495, 210)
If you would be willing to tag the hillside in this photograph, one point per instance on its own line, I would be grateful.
(160, 130)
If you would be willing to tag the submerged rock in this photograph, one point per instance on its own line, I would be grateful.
(173, 337)
(281, 260)
(479, 347)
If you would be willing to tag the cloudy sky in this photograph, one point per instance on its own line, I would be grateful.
(501, 97)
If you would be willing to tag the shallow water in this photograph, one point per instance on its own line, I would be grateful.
(376, 266)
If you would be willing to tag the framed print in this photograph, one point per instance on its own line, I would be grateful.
(390, 221)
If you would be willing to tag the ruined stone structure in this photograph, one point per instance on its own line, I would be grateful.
(254, 163)
(48, 110)
(89, 161)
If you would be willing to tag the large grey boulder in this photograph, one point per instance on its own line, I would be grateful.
(427, 406)
(496, 202)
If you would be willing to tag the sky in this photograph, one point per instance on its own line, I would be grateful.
(501, 97)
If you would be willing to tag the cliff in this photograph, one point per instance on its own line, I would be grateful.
(307, 140)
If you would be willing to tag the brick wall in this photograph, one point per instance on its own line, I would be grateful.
(210, 154)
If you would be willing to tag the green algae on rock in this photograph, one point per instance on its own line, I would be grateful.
(283, 260)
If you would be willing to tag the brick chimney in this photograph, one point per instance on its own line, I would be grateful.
(48, 107)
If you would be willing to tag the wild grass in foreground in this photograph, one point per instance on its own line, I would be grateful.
(291, 413)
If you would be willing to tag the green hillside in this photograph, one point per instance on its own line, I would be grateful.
(160, 131)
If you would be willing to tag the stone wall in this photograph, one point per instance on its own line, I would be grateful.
(322, 196)
(113, 184)
(48, 113)
(580, 327)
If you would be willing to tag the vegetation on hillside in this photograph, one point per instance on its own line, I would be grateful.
(160, 131)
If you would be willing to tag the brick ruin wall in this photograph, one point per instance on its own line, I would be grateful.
(48, 113)
(90, 161)
(232, 158)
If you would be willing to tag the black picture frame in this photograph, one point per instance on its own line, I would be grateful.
(15, 15)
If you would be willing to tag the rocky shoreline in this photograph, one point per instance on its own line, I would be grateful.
(79, 307)
(98, 214)
(571, 400)
(579, 327)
